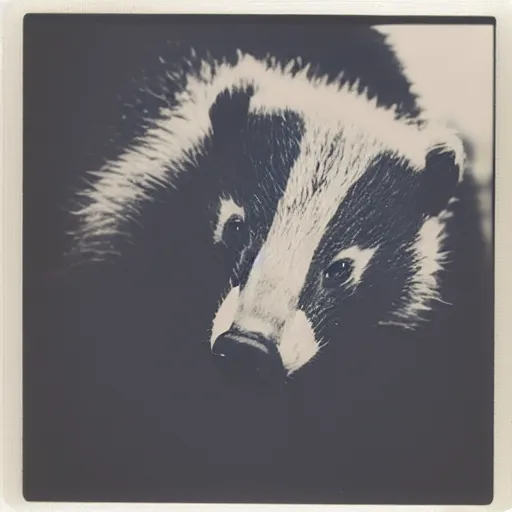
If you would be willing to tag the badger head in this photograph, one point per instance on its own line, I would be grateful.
(330, 211)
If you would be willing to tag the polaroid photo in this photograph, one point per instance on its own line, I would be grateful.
(255, 256)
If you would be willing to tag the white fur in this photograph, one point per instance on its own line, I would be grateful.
(227, 209)
(423, 288)
(125, 183)
(225, 314)
(298, 344)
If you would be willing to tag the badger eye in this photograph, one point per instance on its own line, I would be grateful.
(338, 273)
(235, 232)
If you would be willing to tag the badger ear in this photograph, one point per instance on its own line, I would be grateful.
(442, 173)
(230, 110)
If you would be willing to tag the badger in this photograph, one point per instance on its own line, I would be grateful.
(329, 201)
(275, 284)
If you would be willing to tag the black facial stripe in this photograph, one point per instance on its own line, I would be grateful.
(381, 210)
(272, 150)
(381, 207)
(254, 170)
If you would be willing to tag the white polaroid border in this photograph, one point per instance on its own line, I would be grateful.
(11, 497)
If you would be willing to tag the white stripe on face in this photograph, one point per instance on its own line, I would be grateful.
(298, 344)
(332, 159)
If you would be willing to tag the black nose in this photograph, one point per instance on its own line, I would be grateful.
(249, 356)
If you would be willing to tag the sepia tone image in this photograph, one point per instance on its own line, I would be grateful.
(258, 259)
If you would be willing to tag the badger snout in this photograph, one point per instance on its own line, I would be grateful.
(248, 355)
(259, 345)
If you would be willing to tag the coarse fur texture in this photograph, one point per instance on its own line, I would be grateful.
(177, 137)
(343, 134)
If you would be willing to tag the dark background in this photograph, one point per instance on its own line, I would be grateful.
(114, 413)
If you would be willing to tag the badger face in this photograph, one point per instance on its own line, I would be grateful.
(326, 222)
(330, 212)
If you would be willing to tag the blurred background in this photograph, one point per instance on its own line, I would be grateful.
(451, 67)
